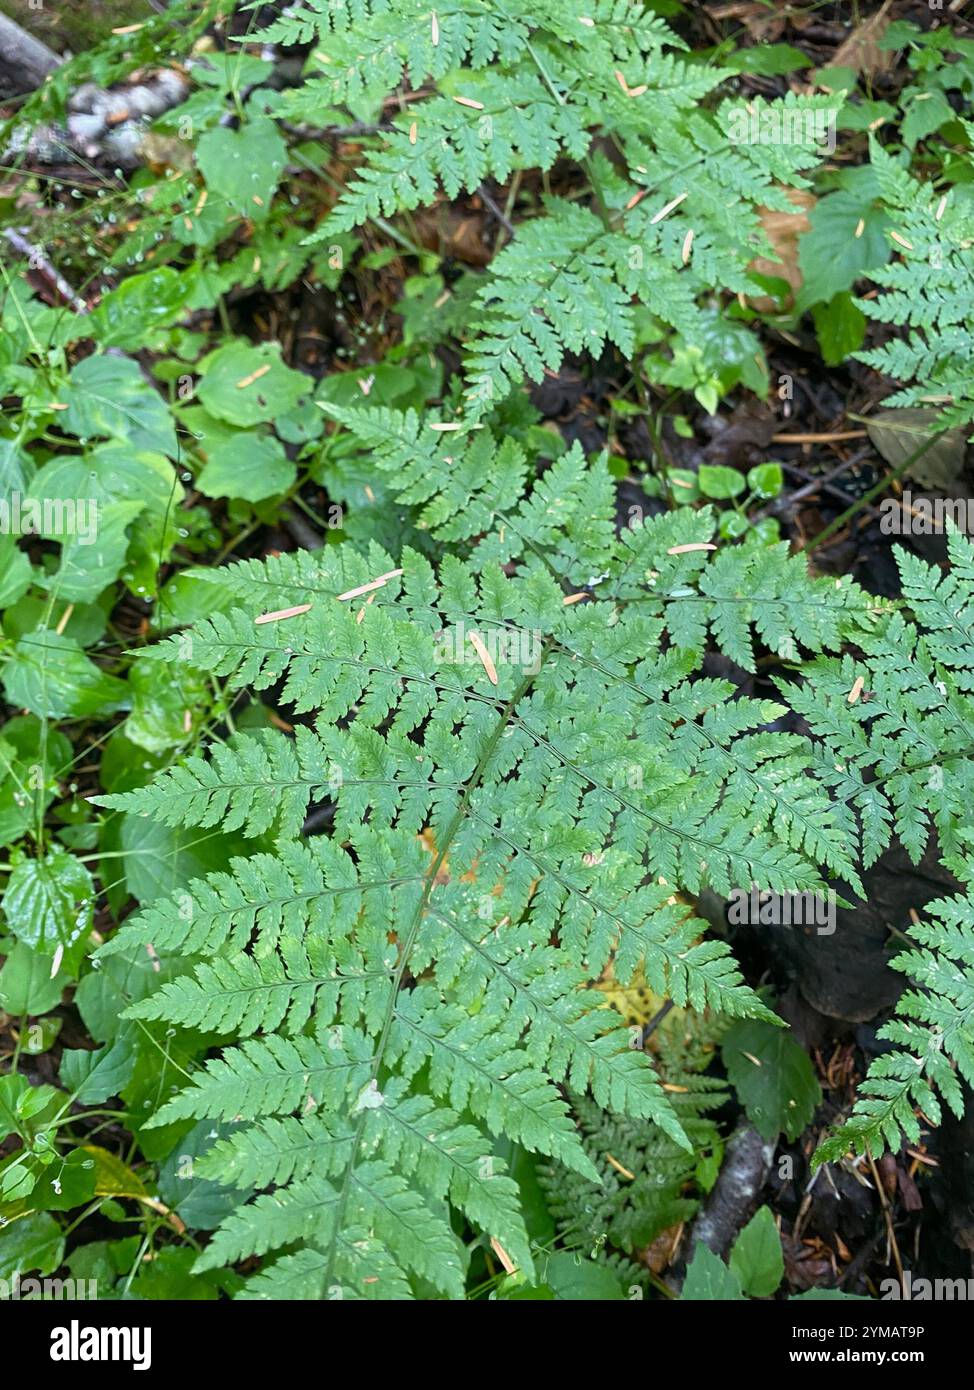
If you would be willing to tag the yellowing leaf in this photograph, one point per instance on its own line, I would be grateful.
(113, 1178)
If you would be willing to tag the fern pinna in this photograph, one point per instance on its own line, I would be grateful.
(676, 210)
(524, 780)
(647, 1183)
(904, 757)
(928, 292)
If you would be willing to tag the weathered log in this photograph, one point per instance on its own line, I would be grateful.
(24, 60)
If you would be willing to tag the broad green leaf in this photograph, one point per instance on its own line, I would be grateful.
(756, 1256)
(118, 484)
(30, 760)
(576, 1279)
(127, 314)
(94, 1076)
(26, 983)
(924, 113)
(48, 902)
(831, 256)
(15, 571)
(766, 59)
(720, 482)
(66, 1183)
(773, 1076)
(231, 71)
(243, 166)
(708, 1278)
(840, 327)
(766, 479)
(89, 563)
(32, 1244)
(166, 705)
(108, 398)
(84, 623)
(246, 385)
(248, 466)
(48, 674)
(170, 1277)
(113, 1178)
(16, 468)
(104, 994)
(20, 1102)
(158, 859)
(200, 1202)
(41, 1035)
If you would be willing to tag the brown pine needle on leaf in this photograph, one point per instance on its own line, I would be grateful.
(665, 211)
(477, 642)
(282, 613)
(509, 1266)
(361, 612)
(254, 376)
(367, 588)
(619, 1168)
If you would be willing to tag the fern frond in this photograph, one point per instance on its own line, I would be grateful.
(932, 1036)
(516, 91)
(417, 1138)
(417, 982)
(314, 887)
(275, 1075)
(511, 123)
(373, 1198)
(643, 1177)
(901, 754)
(362, 1269)
(368, 45)
(928, 291)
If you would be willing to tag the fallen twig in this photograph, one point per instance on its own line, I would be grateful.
(49, 272)
(743, 1173)
(824, 438)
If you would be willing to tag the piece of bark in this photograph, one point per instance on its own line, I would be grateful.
(24, 60)
(743, 1173)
